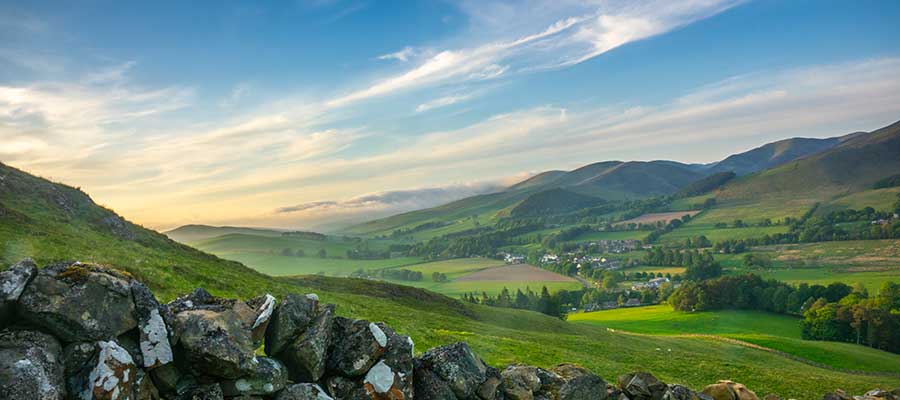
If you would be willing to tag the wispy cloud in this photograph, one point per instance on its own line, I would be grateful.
(402, 55)
(567, 41)
(442, 102)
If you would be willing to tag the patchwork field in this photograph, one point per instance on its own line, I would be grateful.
(477, 275)
(773, 331)
(870, 262)
(879, 199)
(694, 229)
(277, 265)
(614, 235)
(656, 217)
(774, 209)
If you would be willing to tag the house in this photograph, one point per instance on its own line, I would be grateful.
(632, 303)
(656, 282)
(549, 259)
(514, 258)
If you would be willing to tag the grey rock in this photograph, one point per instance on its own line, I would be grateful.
(289, 319)
(343, 388)
(165, 378)
(520, 382)
(303, 391)
(211, 335)
(112, 375)
(579, 383)
(399, 357)
(30, 366)
(357, 346)
(428, 385)
(492, 387)
(270, 376)
(12, 284)
(306, 356)
(457, 366)
(262, 307)
(641, 386)
(153, 331)
(100, 298)
(680, 392)
(210, 391)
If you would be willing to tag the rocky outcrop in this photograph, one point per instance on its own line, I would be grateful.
(77, 331)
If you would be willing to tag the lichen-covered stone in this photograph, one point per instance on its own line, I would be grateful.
(428, 385)
(357, 346)
(457, 366)
(210, 391)
(306, 356)
(680, 392)
(520, 382)
(12, 284)
(30, 366)
(290, 318)
(211, 335)
(270, 376)
(113, 375)
(578, 383)
(153, 332)
(641, 386)
(399, 357)
(78, 302)
(728, 390)
(165, 378)
(263, 307)
(303, 391)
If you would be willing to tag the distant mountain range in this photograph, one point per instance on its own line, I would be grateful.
(815, 167)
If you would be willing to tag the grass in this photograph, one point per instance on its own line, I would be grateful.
(277, 265)
(53, 222)
(869, 262)
(692, 230)
(779, 332)
(879, 199)
(612, 235)
(753, 212)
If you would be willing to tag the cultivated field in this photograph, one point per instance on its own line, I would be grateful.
(518, 272)
(774, 331)
(870, 262)
(695, 229)
(656, 217)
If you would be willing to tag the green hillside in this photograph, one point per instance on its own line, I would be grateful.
(774, 154)
(195, 233)
(853, 165)
(50, 222)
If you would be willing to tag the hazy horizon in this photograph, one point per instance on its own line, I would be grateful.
(295, 115)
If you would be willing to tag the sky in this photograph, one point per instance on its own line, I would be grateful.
(317, 113)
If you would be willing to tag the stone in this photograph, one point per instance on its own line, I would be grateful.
(77, 359)
(12, 284)
(357, 346)
(728, 390)
(263, 307)
(270, 376)
(211, 336)
(457, 366)
(520, 382)
(381, 383)
(153, 332)
(680, 392)
(492, 387)
(428, 385)
(113, 375)
(210, 391)
(165, 378)
(289, 319)
(579, 383)
(101, 299)
(306, 356)
(33, 362)
(399, 356)
(641, 386)
(303, 391)
(344, 388)
(144, 389)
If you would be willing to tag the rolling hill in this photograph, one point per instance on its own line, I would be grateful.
(774, 154)
(853, 165)
(49, 222)
(196, 233)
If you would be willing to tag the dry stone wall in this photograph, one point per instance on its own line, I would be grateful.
(78, 331)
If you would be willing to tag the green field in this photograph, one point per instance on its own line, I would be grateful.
(773, 209)
(778, 332)
(461, 267)
(870, 262)
(277, 265)
(694, 229)
(879, 199)
(613, 235)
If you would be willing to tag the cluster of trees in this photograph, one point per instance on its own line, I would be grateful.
(673, 257)
(439, 277)
(368, 254)
(397, 274)
(293, 253)
(528, 300)
(835, 312)
(305, 235)
(857, 318)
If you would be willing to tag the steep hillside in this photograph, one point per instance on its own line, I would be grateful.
(638, 179)
(774, 154)
(853, 165)
(53, 222)
(705, 185)
(196, 233)
(50, 222)
(553, 201)
(542, 179)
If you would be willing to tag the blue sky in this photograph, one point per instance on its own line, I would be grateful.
(337, 110)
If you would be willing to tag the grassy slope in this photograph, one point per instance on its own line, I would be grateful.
(870, 262)
(879, 199)
(779, 332)
(34, 224)
(195, 233)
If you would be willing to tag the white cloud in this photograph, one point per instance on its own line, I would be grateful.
(442, 102)
(569, 40)
(402, 55)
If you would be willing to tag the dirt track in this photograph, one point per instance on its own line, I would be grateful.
(517, 272)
